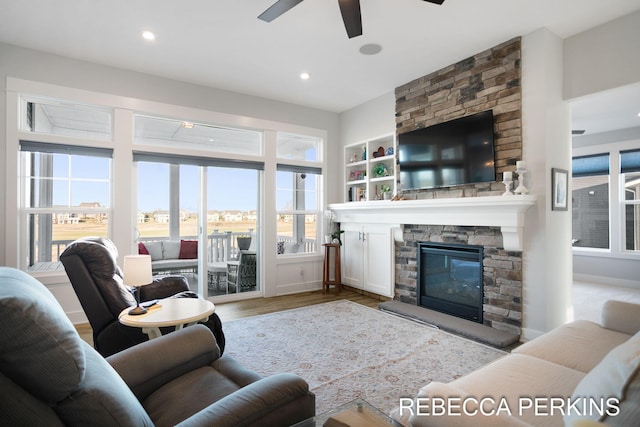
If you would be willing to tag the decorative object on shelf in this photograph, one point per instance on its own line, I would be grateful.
(507, 180)
(380, 170)
(390, 151)
(364, 153)
(559, 189)
(335, 237)
(386, 191)
(521, 169)
(329, 225)
(353, 158)
(379, 152)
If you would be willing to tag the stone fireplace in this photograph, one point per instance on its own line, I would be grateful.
(501, 270)
(450, 279)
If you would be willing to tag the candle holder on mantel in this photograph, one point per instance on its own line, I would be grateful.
(507, 187)
(521, 170)
(507, 180)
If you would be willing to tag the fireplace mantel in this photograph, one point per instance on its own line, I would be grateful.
(506, 212)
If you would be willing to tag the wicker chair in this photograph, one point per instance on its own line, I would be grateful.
(241, 274)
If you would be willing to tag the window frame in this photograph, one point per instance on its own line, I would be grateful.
(617, 248)
(25, 211)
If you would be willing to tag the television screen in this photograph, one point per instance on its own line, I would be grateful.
(456, 152)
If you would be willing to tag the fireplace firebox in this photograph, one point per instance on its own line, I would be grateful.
(450, 279)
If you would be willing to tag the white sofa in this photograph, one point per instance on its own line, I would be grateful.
(580, 363)
(169, 256)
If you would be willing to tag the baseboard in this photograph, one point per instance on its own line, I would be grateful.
(608, 281)
(529, 334)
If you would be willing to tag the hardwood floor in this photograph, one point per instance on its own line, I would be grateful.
(253, 307)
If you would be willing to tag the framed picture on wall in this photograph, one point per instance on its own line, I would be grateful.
(559, 189)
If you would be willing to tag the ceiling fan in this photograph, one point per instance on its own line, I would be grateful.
(350, 10)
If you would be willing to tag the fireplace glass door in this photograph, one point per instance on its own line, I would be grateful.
(450, 279)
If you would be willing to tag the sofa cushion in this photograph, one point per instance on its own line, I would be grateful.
(609, 379)
(40, 349)
(577, 345)
(170, 249)
(521, 376)
(154, 249)
(188, 249)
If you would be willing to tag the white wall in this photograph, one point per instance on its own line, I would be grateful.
(547, 144)
(604, 57)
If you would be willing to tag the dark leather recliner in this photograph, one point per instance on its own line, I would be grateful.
(50, 377)
(91, 264)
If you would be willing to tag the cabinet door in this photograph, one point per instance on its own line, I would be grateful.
(379, 259)
(352, 254)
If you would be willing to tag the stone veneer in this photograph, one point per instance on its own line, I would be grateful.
(502, 276)
(489, 80)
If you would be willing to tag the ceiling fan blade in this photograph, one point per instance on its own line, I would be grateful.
(350, 10)
(277, 9)
(435, 1)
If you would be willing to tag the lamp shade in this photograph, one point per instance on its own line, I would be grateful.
(137, 270)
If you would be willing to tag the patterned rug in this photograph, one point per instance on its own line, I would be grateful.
(346, 351)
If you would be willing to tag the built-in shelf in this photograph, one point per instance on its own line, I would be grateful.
(506, 212)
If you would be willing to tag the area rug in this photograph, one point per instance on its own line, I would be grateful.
(345, 351)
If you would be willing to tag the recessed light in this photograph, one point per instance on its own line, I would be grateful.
(187, 125)
(148, 35)
(370, 49)
(305, 76)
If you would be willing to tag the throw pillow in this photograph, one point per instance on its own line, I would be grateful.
(155, 250)
(188, 249)
(608, 379)
(170, 249)
(142, 249)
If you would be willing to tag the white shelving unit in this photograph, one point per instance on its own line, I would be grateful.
(370, 166)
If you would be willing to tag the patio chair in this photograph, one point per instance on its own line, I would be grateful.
(241, 274)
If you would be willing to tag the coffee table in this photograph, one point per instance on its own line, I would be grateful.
(178, 312)
(357, 413)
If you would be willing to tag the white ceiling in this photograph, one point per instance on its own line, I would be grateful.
(222, 44)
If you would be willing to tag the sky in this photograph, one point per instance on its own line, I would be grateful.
(86, 179)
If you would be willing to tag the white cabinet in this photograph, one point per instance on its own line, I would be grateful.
(368, 258)
(370, 167)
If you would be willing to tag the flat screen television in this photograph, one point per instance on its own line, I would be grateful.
(456, 152)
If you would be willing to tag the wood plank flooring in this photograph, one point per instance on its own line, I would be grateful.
(255, 306)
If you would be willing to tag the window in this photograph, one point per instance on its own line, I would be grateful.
(58, 117)
(590, 196)
(162, 132)
(297, 191)
(630, 170)
(66, 194)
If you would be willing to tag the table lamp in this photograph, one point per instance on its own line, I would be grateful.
(137, 273)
